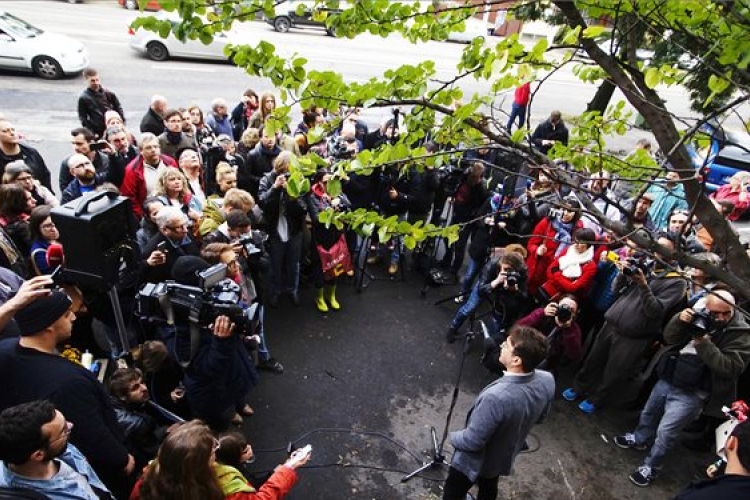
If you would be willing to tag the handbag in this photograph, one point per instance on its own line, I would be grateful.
(335, 260)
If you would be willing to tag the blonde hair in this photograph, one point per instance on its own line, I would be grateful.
(165, 176)
(250, 137)
(223, 168)
(238, 199)
(282, 162)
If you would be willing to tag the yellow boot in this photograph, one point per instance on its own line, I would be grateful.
(331, 297)
(320, 301)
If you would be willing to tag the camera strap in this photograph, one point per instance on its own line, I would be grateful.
(195, 336)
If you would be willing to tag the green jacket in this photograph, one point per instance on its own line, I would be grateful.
(213, 217)
(726, 352)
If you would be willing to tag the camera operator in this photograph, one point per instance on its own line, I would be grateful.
(503, 280)
(647, 293)
(708, 348)
(220, 373)
(557, 321)
(172, 242)
(468, 200)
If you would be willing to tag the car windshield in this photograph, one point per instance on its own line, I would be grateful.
(19, 27)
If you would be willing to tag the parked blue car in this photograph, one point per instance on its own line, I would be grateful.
(727, 154)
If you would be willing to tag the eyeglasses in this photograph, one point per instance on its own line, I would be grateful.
(67, 429)
(177, 228)
(48, 225)
(24, 179)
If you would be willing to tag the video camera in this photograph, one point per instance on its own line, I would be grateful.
(214, 296)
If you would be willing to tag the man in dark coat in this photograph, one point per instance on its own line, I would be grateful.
(94, 102)
(11, 149)
(32, 368)
(549, 132)
(259, 163)
(153, 121)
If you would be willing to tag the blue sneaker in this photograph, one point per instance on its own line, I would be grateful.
(586, 407)
(569, 394)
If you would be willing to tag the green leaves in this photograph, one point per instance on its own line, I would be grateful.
(652, 77)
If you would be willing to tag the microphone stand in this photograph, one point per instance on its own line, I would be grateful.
(438, 455)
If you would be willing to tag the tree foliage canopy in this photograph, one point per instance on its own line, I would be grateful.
(716, 34)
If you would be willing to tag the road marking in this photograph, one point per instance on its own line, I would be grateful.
(182, 68)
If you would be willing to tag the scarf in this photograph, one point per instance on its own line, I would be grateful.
(231, 480)
(570, 263)
(174, 138)
(563, 233)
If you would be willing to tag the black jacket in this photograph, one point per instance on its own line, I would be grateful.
(164, 272)
(152, 122)
(101, 165)
(486, 237)
(724, 487)
(545, 131)
(259, 163)
(270, 199)
(92, 106)
(30, 375)
(238, 119)
(33, 159)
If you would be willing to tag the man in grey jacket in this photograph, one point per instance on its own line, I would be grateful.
(707, 349)
(500, 419)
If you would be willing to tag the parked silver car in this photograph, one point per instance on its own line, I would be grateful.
(161, 49)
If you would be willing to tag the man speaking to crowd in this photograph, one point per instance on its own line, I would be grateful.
(500, 419)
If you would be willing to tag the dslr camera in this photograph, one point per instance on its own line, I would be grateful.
(564, 313)
(639, 260)
(341, 148)
(702, 321)
(512, 278)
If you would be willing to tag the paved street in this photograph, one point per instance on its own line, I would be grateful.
(381, 364)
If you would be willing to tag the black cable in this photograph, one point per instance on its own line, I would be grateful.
(345, 431)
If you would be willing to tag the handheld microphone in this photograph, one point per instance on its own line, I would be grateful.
(55, 256)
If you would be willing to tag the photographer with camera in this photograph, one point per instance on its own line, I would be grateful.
(503, 281)
(172, 242)
(285, 216)
(648, 291)
(707, 349)
(557, 322)
(219, 371)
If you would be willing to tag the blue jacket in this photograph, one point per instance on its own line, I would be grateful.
(499, 422)
(66, 484)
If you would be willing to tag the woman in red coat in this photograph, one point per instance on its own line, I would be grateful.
(550, 238)
(574, 271)
(186, 469)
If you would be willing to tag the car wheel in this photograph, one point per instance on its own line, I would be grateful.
(282, 24)
(74, 1)
(47, 68)
(130, 4)
(157, 51)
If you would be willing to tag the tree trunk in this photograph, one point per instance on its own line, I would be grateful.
(602, 97)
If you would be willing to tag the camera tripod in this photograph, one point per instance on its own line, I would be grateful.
(432, 249)
(364, 278)
(438, 448)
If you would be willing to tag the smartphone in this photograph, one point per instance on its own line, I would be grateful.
(162, 247)
(98, 146)
(56, 276)
(612, 257)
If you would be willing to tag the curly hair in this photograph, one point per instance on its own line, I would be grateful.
(182, 469)
(167, 175)
(21, 430)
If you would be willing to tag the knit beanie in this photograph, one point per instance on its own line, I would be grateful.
(41, 313)
(186, 268)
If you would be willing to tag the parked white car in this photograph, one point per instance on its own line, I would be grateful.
(161, 49)
(28, 48)
(474, 28)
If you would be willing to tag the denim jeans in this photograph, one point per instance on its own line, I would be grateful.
(285, 257)
(667, 411)
(517, 111)
(467, 309)
(474, 267)
(263, 353)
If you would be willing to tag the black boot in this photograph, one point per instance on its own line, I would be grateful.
(452, 335)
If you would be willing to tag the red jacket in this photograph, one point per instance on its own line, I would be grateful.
(557, 283)
(523, 94)
(134, 184)
(572, 344)
(543, 233)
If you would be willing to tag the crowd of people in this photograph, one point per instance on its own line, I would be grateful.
(212, 189)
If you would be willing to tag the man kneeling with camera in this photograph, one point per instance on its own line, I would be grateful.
(707, 349)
